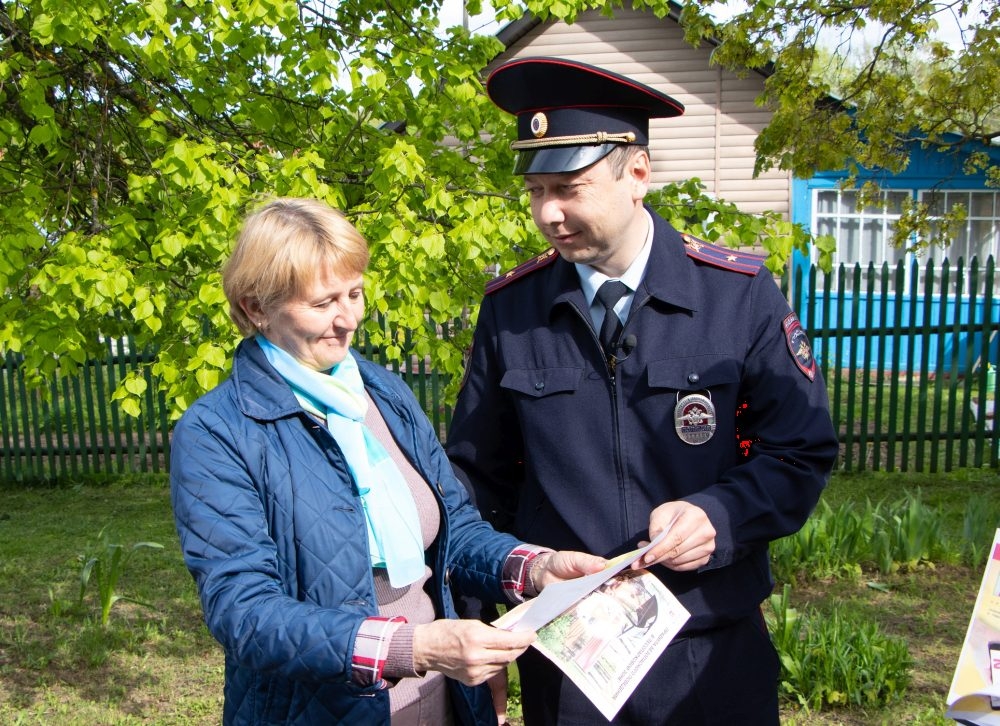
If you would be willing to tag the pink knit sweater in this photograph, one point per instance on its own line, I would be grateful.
(416, 698)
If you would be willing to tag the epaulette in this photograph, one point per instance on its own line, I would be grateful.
(725, 257)
(535, 263)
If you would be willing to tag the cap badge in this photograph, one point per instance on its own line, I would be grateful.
(694, 418)
(539, 125)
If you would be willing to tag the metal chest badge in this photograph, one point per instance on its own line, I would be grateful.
(694, 418)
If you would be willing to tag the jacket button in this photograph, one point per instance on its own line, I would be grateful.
(539, 385)
(447, 576)
(693, 378)
(440, 489)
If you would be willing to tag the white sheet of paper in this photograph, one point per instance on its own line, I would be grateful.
(556, 598)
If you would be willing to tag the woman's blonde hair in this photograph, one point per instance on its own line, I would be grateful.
(281, 249)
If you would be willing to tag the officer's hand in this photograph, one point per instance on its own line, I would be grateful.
(687, 546)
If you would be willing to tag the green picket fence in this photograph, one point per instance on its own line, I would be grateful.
(909, 354)
(906, 351)
(70, 426)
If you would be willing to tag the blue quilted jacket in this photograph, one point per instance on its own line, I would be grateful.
(272, 530)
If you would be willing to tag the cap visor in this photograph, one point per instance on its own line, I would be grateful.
(560, 159)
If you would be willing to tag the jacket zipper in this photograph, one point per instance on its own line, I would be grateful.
(612, 364)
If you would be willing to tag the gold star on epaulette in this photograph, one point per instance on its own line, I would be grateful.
(744, 262)
(691, 242)
(535, 263)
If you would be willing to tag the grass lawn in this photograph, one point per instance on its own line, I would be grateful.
(150, 665)
(158, 665)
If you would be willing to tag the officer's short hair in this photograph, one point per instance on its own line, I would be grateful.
(620, 156)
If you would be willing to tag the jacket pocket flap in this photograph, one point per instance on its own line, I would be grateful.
(542, 381)
(693, 373)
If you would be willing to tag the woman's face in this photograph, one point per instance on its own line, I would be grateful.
(318, 327)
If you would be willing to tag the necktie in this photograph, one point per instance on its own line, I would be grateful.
(609, 294)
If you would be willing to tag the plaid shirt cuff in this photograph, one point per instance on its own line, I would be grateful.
(516, 583)
(371, 648)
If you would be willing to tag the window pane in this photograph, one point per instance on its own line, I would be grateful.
(934, 253)
(960, 246)
(934, 229)
(935, 203)
(952, 199)
(894, 202)
(826, 202)
(981, 204)
(873, 241)
(894, 255)
(849, 240)
(825, 225)
(981, 237)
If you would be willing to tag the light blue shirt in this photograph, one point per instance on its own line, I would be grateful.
(591, 280)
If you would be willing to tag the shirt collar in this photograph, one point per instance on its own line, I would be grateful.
(591, 279)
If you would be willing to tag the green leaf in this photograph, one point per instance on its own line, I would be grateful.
(131, 407)
(135, 384)
(41, 29)
(207, 378)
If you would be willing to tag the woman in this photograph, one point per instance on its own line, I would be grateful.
(319, 515)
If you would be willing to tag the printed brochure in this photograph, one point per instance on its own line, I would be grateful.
(605, 630)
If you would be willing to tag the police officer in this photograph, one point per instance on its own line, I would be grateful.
(691, 402)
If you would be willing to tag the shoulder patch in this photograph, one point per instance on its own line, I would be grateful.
(535, 263)
(798, 345)
(725, 257)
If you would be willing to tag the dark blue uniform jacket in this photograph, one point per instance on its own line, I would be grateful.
(563, 453)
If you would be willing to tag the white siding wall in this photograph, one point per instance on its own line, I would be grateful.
(713, 140)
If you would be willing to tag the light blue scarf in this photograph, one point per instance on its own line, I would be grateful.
(394, 538)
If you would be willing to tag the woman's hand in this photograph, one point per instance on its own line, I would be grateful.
(466, 650)
(553, 567)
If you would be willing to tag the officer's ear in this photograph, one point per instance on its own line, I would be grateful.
(639, 172)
